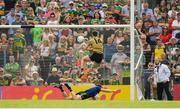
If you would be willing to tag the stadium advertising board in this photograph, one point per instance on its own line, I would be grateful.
(50, 93)
(176, 94)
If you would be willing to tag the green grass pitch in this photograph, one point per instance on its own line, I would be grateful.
(86, 104)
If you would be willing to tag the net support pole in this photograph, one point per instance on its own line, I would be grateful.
(132, 49)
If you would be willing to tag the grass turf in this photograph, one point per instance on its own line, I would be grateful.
(86, 104)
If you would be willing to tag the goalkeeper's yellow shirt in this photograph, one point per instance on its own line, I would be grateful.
(96, 45)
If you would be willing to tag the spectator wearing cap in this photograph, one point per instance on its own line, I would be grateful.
(2, 8)
(41, 18)
(12, 67)
(109, 18)
(18, 10)
(36, 80)
(166, 35)
(81, 10)
(3, 20)
(58, 65)
(18, 20)
(176, 26)
(72, 9)
(53, 78)
(117, 59)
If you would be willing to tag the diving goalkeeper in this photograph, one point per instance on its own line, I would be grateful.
(89, 93)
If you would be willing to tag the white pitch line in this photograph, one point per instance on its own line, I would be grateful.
(89, 108)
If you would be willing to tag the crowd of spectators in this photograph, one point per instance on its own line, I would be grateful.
(159, 29)
(48, 56)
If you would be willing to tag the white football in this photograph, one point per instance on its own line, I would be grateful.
(80, 39)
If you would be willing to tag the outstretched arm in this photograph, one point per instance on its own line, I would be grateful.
(107, 90)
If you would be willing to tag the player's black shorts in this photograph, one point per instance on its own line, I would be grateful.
(96, 57)
(83, 95)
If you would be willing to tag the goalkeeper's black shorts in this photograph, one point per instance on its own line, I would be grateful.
(83, 95)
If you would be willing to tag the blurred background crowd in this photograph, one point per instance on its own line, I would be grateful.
(47, 56)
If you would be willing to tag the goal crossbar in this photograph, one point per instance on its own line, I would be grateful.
(64, 26)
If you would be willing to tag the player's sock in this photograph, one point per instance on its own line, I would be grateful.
(68, 87)
(61, 88)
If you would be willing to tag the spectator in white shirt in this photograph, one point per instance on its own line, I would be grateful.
(162, 73)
